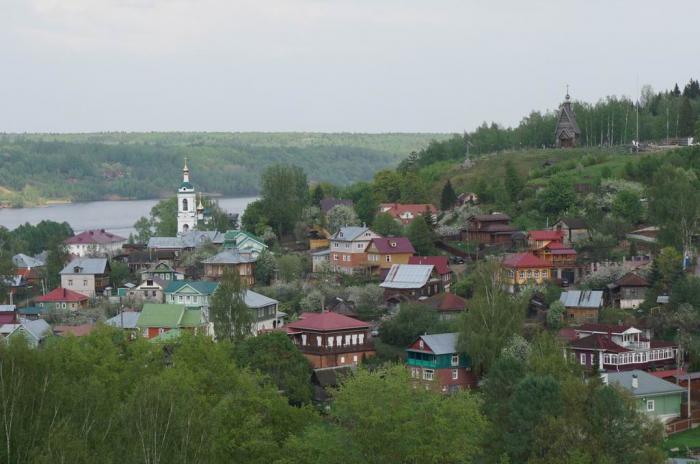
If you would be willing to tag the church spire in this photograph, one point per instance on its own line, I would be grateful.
(185, 172)
(200, 206)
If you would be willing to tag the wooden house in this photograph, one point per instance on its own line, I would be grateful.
(328, 339)
(231, 260)
(582, 305)
(492, 228)
(383, 252)
(441, 265)
(62, 298)
(629, 291)
(524, 268)
(435, 363)
(406, 282)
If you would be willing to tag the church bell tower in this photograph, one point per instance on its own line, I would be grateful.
(186, 203)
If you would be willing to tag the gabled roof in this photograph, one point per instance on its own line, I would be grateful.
(647, 384)
(160, 266)
(406, 276)
(524, 261)
(94, 237)
(202, 287)
(125, 320)
(62, 295)
(161, 315)
(350, 233)
(256, 300)
(631, 280)
(582, 299)
(197, 238)
(574, 222)
(440, 263)
(388, 245)
(328, 204)
(22, 260)
(88, 266)
(546, 234)
(231, 256)
(446, 302)
(398, 209)
(326, 321)
(597, 342)
(39, 328)
(444, 343)
(490, 217)
(241, 237)
(166, 243)
(191, 318)
(606, 328)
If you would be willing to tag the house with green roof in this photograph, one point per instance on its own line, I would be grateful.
(157, 319)
(244, 241)
(191, 293)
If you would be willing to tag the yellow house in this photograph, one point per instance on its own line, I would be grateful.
(523, 268)
(385, 251)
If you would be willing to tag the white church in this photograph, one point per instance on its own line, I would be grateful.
(189, 211)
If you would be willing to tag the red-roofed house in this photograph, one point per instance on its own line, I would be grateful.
(448, 305)
(406, 213)
(620, 348)
(522, 268)
(62, 298)
(562, 259)
(441, 265)
(96, 242)
(328, 339)
(382, 252)
(537, 239)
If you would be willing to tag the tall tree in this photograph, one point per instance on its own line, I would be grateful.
(341, 216)
(494, 316)
(366, 207)
(228, 312)
(284, 194)
(421, 236)
(686, 119)
(448, 197)
(384, 224)
(512, 181)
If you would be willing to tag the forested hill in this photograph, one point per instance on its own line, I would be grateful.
(81, 167)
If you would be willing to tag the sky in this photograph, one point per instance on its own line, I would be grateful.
(327, 65)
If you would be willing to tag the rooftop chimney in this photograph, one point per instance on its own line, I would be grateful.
(635, 381)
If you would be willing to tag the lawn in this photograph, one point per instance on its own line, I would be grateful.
(683, 440)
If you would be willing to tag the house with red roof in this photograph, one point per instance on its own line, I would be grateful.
(491, 229)
(524, 268)
(97, 242)
(620, 348)
(382, 252)
(448, 305)
(537, 239)
(441, 266)
(406, 213)
(62, 298)
(329, 339)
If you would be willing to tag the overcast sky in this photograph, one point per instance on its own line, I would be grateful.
(327, 65)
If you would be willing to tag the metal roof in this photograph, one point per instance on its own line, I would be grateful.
(445, 343)
(130, 319)
(86, 266)
(165, 242)
(230, 256)
(582, 298)
(22, 260)
(407, 276)
(349, 233)
(203, 287)
(256, 300)
(648, 385)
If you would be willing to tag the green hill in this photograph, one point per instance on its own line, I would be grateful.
(80, 167)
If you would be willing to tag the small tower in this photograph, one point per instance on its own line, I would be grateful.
(200, 209)
(567, 133)
(186, 199)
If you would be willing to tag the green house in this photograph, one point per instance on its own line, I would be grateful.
(157, 319)
(244, 241)
(435, 363)
(656, 397)
(191, 293)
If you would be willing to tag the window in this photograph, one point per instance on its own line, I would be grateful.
(161, 330)
(388, 258)
(70, 282)
(335, 257)
(354, 358)
(84, 282)
(342, 360)
(63, 305)
(529, 274)
(537, 274)
(415, 372)
(650, 405)
(179, 298)
(455, 360)
(583, 358)
(544, 274)
(455, 374)
(428, 374)
(184, 204)
(360, 246)
(421, 345)
(522, 274)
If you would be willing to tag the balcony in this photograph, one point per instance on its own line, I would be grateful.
(314, 349)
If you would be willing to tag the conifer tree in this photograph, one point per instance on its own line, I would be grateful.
(686, 119)
(448, 197)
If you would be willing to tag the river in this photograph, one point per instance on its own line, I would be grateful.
(114, 216)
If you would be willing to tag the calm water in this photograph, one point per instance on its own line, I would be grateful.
(115, 216)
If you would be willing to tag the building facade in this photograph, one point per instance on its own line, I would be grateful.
(435, 364)
(89, 276)
(348, 249)
(384, 252)
(97, 242)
